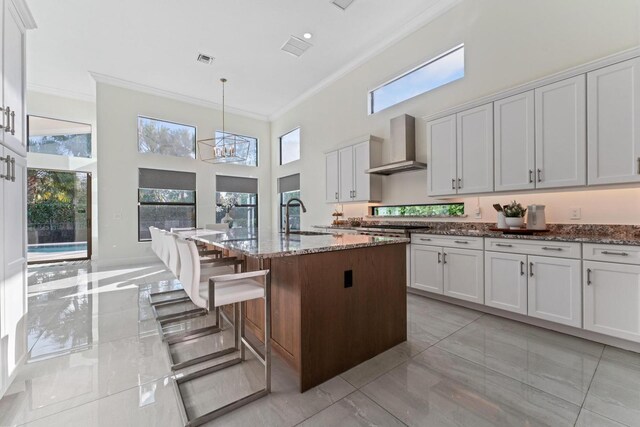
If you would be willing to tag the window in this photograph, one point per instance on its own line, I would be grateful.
(252, 153)
(290, 147)
(434, 73)
(166, 138)
(244, 193)
(437, 210)
(58, 137)
(289, 187)
(166, 199)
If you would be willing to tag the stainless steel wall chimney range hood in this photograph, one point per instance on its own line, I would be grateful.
(403, 148)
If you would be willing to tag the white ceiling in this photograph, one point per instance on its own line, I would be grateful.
(155, 43)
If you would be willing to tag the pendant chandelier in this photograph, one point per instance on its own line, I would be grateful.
(226, 148)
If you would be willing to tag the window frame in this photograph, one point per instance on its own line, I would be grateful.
(370, 93)
(298, 128)
(256, 206)
(195, 137)
(91, 155)
(216, 132)
(140, 204)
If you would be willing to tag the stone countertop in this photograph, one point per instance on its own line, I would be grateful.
(265, 243)
(583, 233)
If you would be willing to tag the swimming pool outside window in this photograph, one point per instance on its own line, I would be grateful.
(444, 68)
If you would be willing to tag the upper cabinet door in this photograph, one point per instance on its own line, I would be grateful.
(332, 189)
(345, 161)
(441, 146)
(514, 143)
(361, 179)
(13, 73)
(561, 134)
(613, 96)
(475, 150)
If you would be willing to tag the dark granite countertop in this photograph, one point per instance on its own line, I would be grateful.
(265, 243)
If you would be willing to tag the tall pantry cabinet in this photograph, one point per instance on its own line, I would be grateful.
(15, 19)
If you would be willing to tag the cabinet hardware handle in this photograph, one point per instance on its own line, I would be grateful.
(615, 253)
(522, 268)
(459, 183)
(504, 245)
(638, 165)
(13, 169)
(2, 126)
(588, 277)
(444, 257)
(530, 176)
(2, 175)
(531, 269)
(439, 258)
(424, 239)
(453, 183)
(461, 241)
(7, 113)
(8, 161)
(336, 195)
(539, 175)
(547, 248)
(13, 123)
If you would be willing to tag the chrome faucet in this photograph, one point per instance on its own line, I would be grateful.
(287, 226)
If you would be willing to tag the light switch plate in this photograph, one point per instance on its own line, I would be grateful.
(575, 213)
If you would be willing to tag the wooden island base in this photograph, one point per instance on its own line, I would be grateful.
(331, 311)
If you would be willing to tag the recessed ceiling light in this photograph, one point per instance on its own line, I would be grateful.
(307, 35)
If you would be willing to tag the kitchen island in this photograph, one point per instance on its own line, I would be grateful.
(336, 299)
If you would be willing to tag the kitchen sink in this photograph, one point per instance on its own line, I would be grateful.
(309, 233)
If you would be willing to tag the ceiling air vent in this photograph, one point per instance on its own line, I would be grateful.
(205, 59)
(295, 46)
(342, 4)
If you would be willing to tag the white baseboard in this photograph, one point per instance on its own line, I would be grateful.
(569, 330)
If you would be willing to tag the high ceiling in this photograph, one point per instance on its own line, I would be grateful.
(155, 43)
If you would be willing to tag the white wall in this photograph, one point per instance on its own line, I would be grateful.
(507, 43)
(57, 107)
(117, 112)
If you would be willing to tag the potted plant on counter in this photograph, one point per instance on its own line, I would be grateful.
(514, 214)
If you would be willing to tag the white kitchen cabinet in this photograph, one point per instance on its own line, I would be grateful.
(13, 80)
(345, 172)
(554, 290)
(612, 299)
(474, 135)
(613, 99)
(505, 282)
(561, 145)
(441, 146)
(426, 271)
(463, 274)
(332, 187)
(514, 142)
(345, 178)
(14, 260)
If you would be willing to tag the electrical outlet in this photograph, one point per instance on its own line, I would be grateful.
(478, 213)
(575, 213)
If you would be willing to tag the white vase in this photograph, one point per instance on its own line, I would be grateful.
(514, 222)
(226, 219)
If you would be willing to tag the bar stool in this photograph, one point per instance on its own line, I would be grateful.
(212, 266)
(158, 247)
(212, 294)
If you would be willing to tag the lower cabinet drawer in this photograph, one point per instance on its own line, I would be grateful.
(535, 247)
(611, 253)
(462, 242)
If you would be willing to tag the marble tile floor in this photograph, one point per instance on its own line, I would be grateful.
(96, 359)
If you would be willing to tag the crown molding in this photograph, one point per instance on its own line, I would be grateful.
(126, 84)
(63, 93)
(413, 25)
(25, 14)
